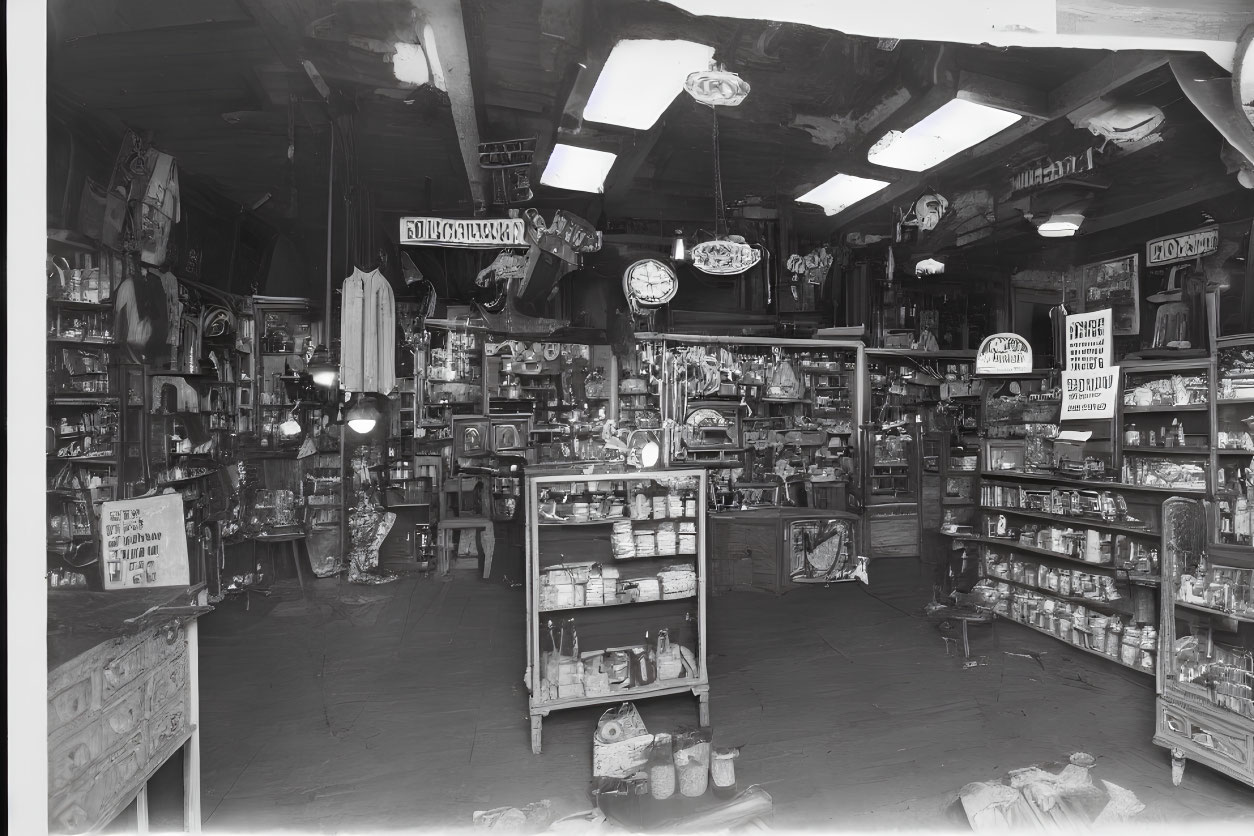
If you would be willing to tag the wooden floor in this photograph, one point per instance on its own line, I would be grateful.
(402, 706)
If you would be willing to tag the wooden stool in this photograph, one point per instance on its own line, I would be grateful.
(295, 540)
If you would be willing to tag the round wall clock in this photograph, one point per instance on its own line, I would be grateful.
(649, 283)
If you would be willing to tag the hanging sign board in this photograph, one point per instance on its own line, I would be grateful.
(1089, 341)
(1090, 382)
(1004, 354)
(1185, 246)
(144, 543)
(475, 233)
(1088, 395)
(1047, 170)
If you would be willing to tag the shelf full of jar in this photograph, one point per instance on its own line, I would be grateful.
(1102, 635)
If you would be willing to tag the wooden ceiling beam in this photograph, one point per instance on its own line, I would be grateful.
(1103, 78)
(1005, 95)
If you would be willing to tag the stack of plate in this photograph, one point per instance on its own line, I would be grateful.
(646, 544)
(579, 512)
(674, 505)
(659, 507)
(622, 541)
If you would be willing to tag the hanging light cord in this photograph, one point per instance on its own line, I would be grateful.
(720, 217)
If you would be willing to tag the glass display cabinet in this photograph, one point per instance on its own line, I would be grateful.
(1205, 703)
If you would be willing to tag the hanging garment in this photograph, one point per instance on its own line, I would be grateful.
(368, 333)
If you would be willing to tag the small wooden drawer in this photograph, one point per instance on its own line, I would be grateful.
(122, 667)
(167, 726)
(73, 757)
(1195, 732)
(165, 642)
(168, 683)
(125, 715)
(82, 805)
(73, 701)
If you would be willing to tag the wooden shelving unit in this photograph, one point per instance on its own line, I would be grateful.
(614, 627)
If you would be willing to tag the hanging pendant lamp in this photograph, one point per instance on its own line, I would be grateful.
(724, 255)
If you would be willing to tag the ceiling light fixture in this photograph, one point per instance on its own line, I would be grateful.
(841, 192)
(1060, 225)
(409, 64)
(641, 78)
(717, 87)
(953, 127)
(929, 267)
(577, 169)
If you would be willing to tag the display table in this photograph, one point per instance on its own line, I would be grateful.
(122, 700)
(753, 549)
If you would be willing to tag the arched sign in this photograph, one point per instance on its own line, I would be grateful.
(1004, 354)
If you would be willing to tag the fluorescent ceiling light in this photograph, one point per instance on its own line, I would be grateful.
(952, 127)
(841, 192)
(580, 169)
(641, 78)
(409, 64)
(1060, 225)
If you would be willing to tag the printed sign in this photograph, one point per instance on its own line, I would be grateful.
(1183, 247)
(1048, 170)
(1089, 339)
(1003, 354)
(486, 233)
(144, 542)
(1088, 395)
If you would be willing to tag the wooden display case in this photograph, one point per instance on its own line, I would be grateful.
(766, 548)
(615, 620)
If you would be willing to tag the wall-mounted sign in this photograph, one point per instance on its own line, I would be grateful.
(479, 233)
(1003, 354)
(144, 543)
(1047, 170)
(1089, 340)
(1185, 246)
(723, 257)
(1089, 395)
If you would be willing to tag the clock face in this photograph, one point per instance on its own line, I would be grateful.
(650, 282)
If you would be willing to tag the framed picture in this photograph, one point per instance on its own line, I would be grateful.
(1004, 455)
(471, 437)
(1114, 284)
(509, 436)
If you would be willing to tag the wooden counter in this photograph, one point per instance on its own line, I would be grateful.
(750, 550)
(122, 700)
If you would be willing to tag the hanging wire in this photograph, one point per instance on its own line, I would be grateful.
(720, 217)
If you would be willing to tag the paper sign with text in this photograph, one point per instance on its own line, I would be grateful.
(1089, 394)
(1089, 340)
(144, 543)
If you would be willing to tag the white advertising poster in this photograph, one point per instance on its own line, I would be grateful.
(1089, 339)
(144, 542)
(1089, 394)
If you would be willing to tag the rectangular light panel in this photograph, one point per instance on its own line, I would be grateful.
(952, 127)
(841, 192)
(641, 78)
(578, 169)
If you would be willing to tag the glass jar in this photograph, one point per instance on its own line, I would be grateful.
(1114, 636)
(1130, 648)
(661, 767)
(595, 385)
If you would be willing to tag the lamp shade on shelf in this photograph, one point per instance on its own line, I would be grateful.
(321, 369)
(363, 415)
(643, 449)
